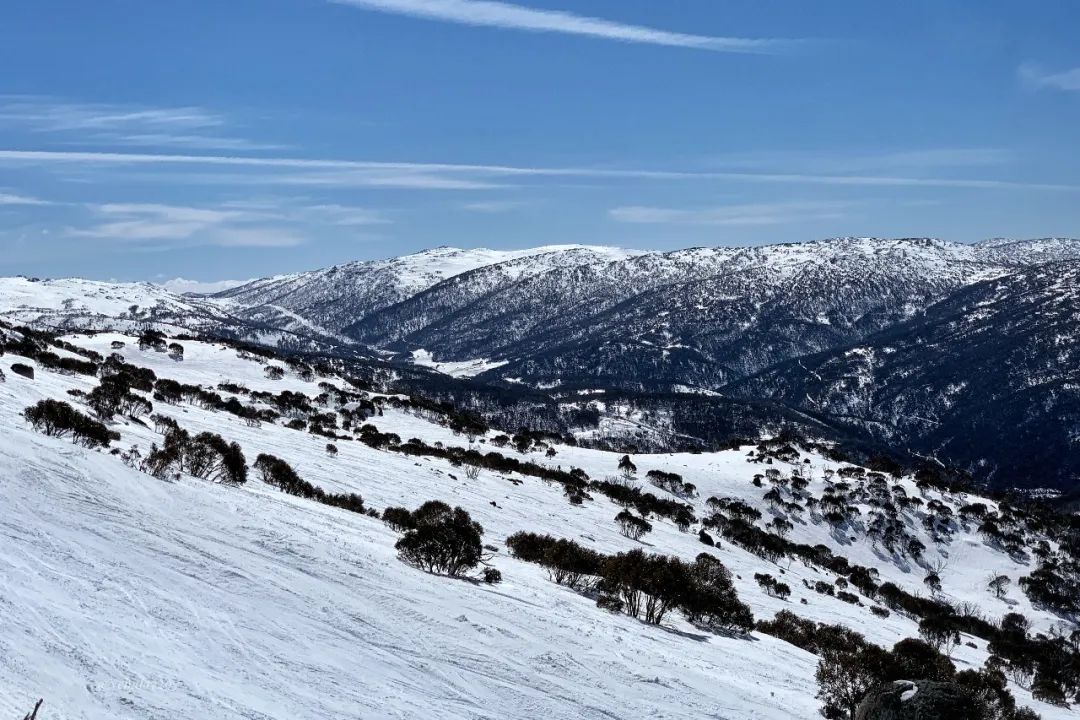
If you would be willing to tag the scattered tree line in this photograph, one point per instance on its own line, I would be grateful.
(205, 455)
(640, 584)
(850, 667)
(277, 472)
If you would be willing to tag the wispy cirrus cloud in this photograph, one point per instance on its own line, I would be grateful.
(1035, 76)
(15, 199)
(263, 237)
(252, 223)
(778, 213)
(854, 162)
(49, 114)
(489, 13)
(154, 223)
(492, 207)
(191, 128)
(192, 142)
(448, 176)
(301, 210)
(391, 177)
(343, 215)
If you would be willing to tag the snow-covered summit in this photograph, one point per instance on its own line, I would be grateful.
(1030, 252)
(337, 296)
(75, 303)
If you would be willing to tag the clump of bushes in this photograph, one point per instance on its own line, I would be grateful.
(640, 584)
(570, 564)
(632, 526)
(672, 482)
(712, 600)
(153, 339)
(398, 518)
(25, 371)
(1054, 584)
(850, 598)
(59, 419)
(645, 503)
(772, 586)
(609, 603)
(275, 471)
(206, 455)
(114, 396)
(806, 634)
(850, 667)
(441, 540)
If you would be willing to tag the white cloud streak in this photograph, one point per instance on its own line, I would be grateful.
(469, 176)
(1034, 75)
(260, 223)
(191, 142)
(841, 162)
(494, 207)
(343, 215)
(45, 114)
(154, 224)
(257, 237)
(191, 128)
(488, 13)
(12, 199)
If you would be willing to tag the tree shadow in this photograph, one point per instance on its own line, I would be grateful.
(676, 631)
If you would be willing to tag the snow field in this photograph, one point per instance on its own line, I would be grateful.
(122, 596)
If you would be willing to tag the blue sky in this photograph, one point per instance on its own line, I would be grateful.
(214, 140)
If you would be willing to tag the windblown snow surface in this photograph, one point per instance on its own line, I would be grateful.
(125, 596)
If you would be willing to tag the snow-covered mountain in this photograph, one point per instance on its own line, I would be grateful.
(471, 316)
(988, 377)
(74, 303)
(89, 304)
(1030, 252)
(127, 595)
(704, 318)
(336, 297)
(567, 319)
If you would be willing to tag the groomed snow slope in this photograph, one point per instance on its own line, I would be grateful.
(123, 596)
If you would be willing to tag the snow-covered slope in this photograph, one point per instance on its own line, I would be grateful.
(77, 304)
(89, 304)
(1030, 252)
(544, 312)
(988, 377)
(338, 296)
(125, 596)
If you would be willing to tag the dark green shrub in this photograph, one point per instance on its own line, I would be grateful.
(59, 419)
(397, 518)
(442, 540)
(25, 371)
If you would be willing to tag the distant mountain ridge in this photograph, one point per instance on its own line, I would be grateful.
(336, 297)
(990, 376)
(793, 323)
